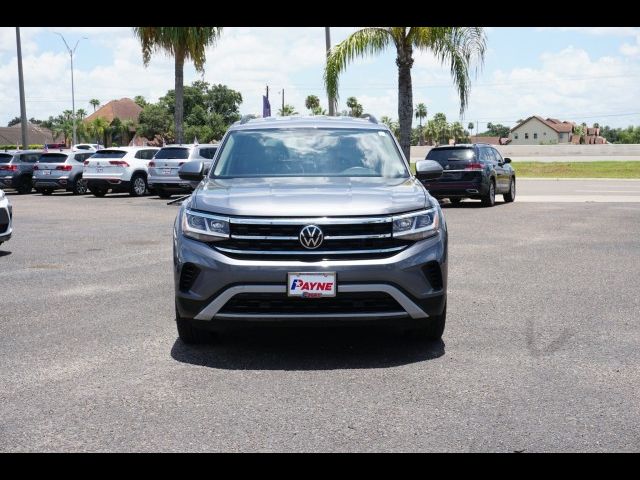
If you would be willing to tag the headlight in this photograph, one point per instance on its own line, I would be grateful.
(416, 226)
(204, 227)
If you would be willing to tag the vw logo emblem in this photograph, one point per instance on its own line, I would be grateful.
(311, 237)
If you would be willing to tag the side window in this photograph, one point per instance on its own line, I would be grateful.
(207, 153)
(485, 155)
(29, 158)
(497, 155)
(140, 154)
(149, 154)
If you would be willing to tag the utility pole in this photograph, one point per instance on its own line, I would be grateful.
(327, 38)
(23, 108)
(283, 102)
(73, 99)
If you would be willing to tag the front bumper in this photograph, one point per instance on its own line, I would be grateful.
(6, 214)
(221, 278)
(458, 189)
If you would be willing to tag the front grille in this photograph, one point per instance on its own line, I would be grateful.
(280, 303)
(188, 276)
(351, 239)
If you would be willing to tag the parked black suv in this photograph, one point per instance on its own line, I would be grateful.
(475, 171)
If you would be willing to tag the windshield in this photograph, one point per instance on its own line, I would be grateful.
(177, 153)
(53, 158)
(309, 152)
(108, 154)
(447, 156)
(5, 157)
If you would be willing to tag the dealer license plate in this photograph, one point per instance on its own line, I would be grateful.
(166, 171)
(311, 285)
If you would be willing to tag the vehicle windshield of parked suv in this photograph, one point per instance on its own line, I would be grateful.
(166, 153)
(309, 153)
(451, 157)
(5, 157)
(108, 154)
(53, 158)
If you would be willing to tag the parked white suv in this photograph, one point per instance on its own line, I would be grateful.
(119, 169)
(163, 169)
(6, 212)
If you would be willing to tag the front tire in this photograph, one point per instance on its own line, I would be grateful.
(79, 186)
(163, 193)
(24, 186)
(489, 200)
(189, 334)
(98, 191)
(510, 196)
(138, 185)
(431, 328)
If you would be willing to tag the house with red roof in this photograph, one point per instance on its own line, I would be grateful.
(536, 130)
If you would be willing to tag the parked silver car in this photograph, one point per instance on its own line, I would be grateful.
(6, 214)
(163, 169)
(60, 171)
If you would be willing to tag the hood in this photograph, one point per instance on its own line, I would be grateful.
(309, 196)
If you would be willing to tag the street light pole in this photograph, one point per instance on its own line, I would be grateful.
(73, 98)
(23, 108)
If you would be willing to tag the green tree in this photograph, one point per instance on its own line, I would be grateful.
(140, 101)
(471, 126)
(439, 128)
(94, 102)
(183, 43)
(14, 121)
(312, 103)
(287, 111)
(421, 112)
(81, 113)
(457, 132)
(456, 46)
(154, 120)
(355, 109)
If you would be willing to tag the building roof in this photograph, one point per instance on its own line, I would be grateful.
(35, 135)
(553, 123)
(124, 109)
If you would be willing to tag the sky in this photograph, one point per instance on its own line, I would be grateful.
(589, 74)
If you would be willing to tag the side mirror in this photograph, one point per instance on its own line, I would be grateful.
(507, 160)
(428, 170)
(192, 171)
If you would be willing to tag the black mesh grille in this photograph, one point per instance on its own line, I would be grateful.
(434, 274)
(294, 230)
(188, 276)
(280, 303)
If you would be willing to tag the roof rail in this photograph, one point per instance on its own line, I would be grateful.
(246, 118)
(370, 117)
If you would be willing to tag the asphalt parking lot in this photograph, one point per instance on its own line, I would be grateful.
(541, 350)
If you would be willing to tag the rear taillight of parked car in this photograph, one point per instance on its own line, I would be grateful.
(152, 163)
(66, 168)
(119, 163)
(474, 166)
(11, 168)
(85, 163)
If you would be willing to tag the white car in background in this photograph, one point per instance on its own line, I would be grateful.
(119, 169)
(6, 214)
(163, 169)
(88, 146)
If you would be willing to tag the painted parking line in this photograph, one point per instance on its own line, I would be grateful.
(580, 198)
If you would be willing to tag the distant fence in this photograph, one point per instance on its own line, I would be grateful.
(557, 152)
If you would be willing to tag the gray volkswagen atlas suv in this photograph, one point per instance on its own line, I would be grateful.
(313, 219)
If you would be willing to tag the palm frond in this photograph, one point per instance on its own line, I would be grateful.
(462, 48)
(366, 41)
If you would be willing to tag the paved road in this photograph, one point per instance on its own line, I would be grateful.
(541, 351)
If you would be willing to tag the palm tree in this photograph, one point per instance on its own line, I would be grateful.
(312, 103)
(81, 113)
(421, 112)
(183, 43)
(98, 129)
(457, 132)
(94, 102)
(354, 106)
(457, 46)
(471, 126)
(287, 111)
